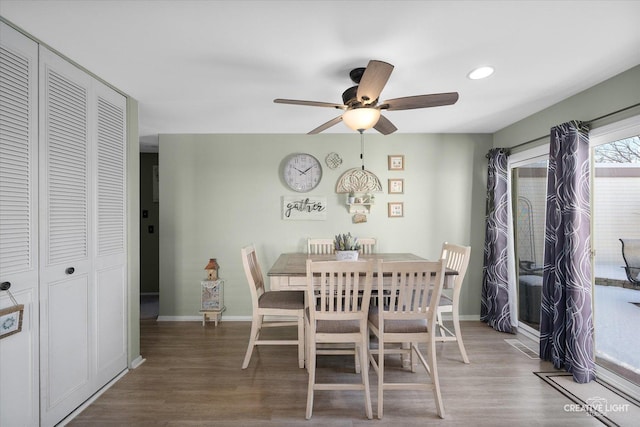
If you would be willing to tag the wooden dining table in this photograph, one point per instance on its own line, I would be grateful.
(289, 272)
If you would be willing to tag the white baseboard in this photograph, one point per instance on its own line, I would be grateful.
(199, 318)
(465, 317)
(136, 362)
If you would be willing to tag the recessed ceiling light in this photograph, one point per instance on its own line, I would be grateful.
(480, 73)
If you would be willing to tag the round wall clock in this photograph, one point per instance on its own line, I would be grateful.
(302, 172)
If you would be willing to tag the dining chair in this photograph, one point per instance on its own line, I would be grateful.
(407, 314)
(279, 304)
(320, 246)
(337, 315)
(367, 245)
(457, 258)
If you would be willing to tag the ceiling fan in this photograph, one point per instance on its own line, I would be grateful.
(360, 102)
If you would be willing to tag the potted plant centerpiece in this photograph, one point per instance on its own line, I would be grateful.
(346, 247)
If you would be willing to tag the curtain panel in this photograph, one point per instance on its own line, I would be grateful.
(566, 322)
(495, 309)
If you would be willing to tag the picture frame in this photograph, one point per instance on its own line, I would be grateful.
(396, 162)
(396, 186)
(11, 320)
(395, 209)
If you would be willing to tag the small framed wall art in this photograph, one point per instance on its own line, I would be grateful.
(396, 162)
(396, 186)
(396, 209)
(11, 320)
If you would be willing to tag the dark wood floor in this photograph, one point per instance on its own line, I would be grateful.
(192, 377)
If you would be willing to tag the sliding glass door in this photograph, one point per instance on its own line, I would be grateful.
(616, 218)
(528, 189)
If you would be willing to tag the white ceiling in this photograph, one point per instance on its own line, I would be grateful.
(216, 66)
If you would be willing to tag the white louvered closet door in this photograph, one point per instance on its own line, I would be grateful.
(18, 224)
(66, 283)
(83, 270)
(109, 249)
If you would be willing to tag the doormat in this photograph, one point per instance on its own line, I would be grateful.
(599, 399)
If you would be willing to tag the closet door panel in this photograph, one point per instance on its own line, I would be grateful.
(110, 231)
(111, 311)
(19, 352)
(66, 288)
(68, 339)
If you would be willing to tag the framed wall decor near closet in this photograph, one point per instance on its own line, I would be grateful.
(63, 232)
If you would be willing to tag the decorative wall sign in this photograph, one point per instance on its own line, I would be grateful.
(304, 208)
(396, 186)
(396, 209)
(396, 162)
(11, 320)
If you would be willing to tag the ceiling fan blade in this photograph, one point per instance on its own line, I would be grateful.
(327, 125)
(420, 101)
(373, 80)
(309, 103)
(384, 126)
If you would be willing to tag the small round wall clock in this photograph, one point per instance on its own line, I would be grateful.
(302, 172)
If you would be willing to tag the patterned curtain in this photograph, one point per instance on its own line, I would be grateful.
(495, 309)
(566, 322)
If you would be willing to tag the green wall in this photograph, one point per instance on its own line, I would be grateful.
(610, 96)
(219, 193)
(133, 227)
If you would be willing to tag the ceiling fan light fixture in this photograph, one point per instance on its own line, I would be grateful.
(361, 119)
(481, 73)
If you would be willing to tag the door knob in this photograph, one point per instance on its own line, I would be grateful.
(70, 270)
(4, 286)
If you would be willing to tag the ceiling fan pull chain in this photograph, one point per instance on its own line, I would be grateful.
(362, 148)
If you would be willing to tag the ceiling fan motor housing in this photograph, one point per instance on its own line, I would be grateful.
(349, 97)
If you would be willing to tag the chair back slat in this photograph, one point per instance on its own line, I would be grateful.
(253, 272)
(414, 289)
(457, 258)
(339, 287)
(367, 245)
(320, 246)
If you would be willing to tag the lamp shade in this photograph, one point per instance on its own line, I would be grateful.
(360, 119)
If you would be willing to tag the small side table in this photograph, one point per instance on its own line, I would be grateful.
(212, 300)
(214, 315)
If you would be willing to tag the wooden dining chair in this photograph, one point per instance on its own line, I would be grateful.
(457, 258)
(338, 316)
(367, 245)
(407, 314)
(277, 304)
(320, 246)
